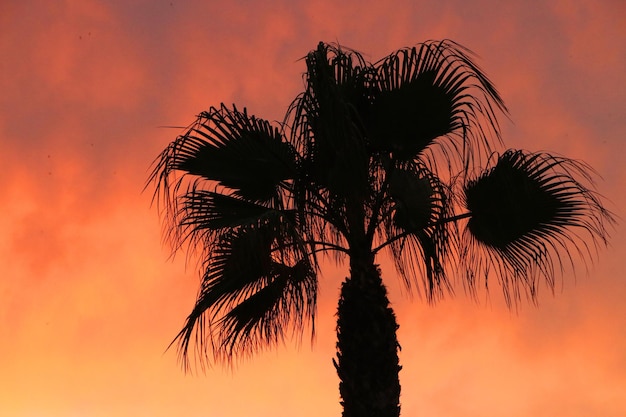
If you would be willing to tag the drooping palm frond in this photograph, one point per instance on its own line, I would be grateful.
(433, 90)
(286, 302)
(251, 294)
(415, 228)
(256, 261)
(528, 211)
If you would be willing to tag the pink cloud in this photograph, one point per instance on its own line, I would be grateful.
(88, 300)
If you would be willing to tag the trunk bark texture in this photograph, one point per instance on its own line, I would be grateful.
(367, 346)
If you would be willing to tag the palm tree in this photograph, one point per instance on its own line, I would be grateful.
(370, 158)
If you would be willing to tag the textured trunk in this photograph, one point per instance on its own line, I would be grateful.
(367, 346)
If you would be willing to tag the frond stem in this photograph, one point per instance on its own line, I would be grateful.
(381, 198)
(405, 234)
(455, 218)
(329, 246)
(325, 246)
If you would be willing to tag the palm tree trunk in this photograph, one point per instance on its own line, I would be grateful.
(367, 347)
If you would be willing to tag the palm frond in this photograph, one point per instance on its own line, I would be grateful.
(250, 293)
(415, 230)
(429, 91)
(528, 211)
(238, 151)
(287, 301)
(205, 215)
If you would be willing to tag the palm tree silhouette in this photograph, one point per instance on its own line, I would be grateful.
(370, 157)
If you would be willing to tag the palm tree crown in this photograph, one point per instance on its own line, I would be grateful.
(369, 157)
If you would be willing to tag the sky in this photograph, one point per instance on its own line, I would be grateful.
(90, 299)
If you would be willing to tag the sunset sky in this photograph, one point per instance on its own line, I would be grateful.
(89, 300)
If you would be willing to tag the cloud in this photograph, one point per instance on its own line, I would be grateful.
(88, 299)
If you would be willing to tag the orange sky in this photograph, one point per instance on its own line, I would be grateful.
(88, 299)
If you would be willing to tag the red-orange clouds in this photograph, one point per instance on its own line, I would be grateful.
(88, 300)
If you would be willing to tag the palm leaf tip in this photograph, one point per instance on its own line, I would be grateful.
(528, 205)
